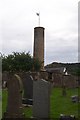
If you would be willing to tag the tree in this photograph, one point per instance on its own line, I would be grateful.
(20, 62)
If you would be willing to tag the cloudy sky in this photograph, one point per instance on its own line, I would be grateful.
(58, 17)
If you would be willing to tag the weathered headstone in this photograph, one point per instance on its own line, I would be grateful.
(28, 88)
(14, 105)
(75, 98)
(41, 99)
(67, 117)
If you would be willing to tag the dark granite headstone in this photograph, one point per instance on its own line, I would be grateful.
(75, 98)
(14, 105)
(41, 99)
(28, 89)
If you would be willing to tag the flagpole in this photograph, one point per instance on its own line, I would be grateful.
(39, 18)
(38, 14)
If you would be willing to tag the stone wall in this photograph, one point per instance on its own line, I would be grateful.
(57, 79)
(67, 80)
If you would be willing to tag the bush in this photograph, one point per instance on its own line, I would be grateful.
(20, 62)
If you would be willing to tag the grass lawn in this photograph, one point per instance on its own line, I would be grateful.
(63, 104)
(58, 104)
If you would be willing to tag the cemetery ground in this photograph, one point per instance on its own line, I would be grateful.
(58, 104)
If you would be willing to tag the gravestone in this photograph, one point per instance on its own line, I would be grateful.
(28, 89)
(41, 99)
(75, 98)
(67, 117)
(14, 104)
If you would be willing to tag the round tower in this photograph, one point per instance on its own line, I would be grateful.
(39, 44)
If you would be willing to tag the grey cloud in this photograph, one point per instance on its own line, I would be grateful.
(59, 19)
(69, 54)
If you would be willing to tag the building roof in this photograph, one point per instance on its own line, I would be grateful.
(56, 70)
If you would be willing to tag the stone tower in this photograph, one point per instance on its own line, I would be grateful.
(39, 44)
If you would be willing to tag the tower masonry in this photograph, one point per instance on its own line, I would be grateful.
(39, 44)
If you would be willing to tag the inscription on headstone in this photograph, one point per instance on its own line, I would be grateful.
(41, 99)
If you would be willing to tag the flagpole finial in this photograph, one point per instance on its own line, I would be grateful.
(38, 14)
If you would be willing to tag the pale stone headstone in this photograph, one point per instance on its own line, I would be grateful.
(41, 99)
(14, 104)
